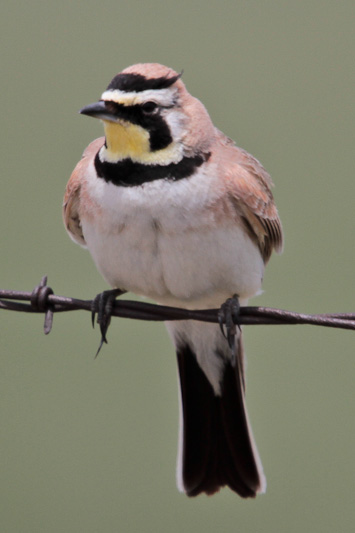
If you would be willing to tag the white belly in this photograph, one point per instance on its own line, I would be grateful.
(154, 241)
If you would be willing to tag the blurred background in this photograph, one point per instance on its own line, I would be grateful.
(90, 445)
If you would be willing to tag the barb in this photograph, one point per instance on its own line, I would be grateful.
(43, 300)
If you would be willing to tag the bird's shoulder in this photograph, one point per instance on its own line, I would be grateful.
(248, 187)
(71, 203)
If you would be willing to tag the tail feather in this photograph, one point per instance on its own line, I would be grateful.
(217, 443)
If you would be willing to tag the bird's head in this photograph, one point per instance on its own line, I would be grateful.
(150, 117)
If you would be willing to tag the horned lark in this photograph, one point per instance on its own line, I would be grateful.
(171, 209)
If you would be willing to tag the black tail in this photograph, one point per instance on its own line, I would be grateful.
(217, 445)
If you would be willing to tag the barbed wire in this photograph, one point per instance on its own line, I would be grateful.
(43, 300)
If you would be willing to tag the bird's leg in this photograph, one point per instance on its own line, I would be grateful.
(228, 322)
(103, 305)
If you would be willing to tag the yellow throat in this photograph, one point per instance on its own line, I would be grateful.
(125, 140)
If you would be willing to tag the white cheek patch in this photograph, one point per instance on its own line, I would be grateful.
(164, 97)
(176, 122)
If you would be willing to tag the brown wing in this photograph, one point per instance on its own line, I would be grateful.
(73, 192)
(249, 189)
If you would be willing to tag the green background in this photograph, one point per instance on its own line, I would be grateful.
(89, 445)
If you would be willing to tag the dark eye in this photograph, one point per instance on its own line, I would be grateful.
(149, 107)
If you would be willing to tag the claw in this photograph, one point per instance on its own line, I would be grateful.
(103, 305)
(99, 348)
(221, 320)
(227, 318)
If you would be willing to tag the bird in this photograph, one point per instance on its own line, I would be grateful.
(172, 210)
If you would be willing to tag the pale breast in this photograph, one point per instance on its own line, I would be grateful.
(166, 241)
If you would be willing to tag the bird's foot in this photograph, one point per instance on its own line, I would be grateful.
(102, 305)
(228, 322)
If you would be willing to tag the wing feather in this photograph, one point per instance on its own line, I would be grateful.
(249, 190)
(73, 193)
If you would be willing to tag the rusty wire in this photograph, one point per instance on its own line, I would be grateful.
(43, 300)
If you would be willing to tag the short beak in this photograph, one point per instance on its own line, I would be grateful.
(98, 110)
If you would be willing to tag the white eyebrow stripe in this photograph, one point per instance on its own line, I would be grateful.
(161, 96)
